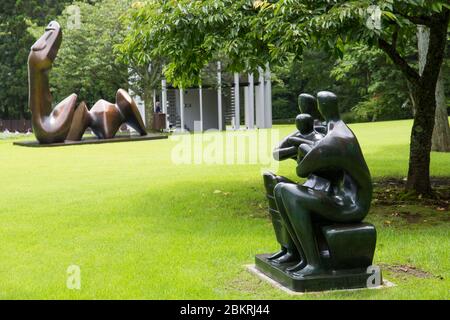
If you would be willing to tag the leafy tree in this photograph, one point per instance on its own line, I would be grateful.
(158, 29)
(343, 22)
(380, 89)
(86, 63)
(441, 132)
(251, 33)
(294, 76)
(16, 16)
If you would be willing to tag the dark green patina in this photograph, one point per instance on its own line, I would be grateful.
(318, 224)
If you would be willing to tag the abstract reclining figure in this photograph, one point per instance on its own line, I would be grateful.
(67, 121)
(324, 244)
(105, 118)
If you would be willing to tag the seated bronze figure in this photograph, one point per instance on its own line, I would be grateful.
(67, 121)
(324, 244)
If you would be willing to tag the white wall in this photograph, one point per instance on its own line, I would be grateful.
(192, 114)
(261, 113)
(210, 111)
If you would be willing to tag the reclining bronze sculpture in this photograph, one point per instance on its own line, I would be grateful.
(318, 225)
(67, 121)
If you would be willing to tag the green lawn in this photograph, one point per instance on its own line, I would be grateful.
(141, 227)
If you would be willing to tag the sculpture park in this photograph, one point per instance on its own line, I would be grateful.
(270, 151)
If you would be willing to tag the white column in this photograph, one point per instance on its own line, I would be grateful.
(182, 109)
(268, 98)
(219, 95)
(237, 102)
(200, 96)
(260, 112)
(251, 102)
(246, 108)
(164, 96)
(154, 100)
(164, 106)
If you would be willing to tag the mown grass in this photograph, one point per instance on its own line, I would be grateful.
(141, 227)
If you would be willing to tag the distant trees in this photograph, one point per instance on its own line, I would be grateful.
(89, 64)
(380, 89)
(86, 63)
(368, 85)
(389, 25)
(16, 16)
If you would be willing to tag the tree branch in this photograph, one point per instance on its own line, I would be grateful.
(390, 50)
(395, 37)
(421, 20)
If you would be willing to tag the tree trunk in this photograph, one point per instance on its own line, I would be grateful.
(420, 148)
(148, 100)
(441, 132)
(424, 92)
(411, 97)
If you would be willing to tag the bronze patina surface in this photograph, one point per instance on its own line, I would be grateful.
(49, 125)
(318, 224)
(67, 121)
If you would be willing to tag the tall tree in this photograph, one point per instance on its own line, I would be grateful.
(251, 33)
(441, 132)
(389, 25)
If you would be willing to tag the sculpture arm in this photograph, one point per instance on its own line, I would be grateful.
(284, 153)
(321, 157)
(285, 149)
(297, 141)
(321, 129)
(303, 150)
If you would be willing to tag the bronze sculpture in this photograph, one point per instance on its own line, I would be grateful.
(67, 121)
(106, 118)
(49, 125)
(324, 245)
(288, 149)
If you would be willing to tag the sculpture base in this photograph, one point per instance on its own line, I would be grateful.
(92, 140)
(346, 279)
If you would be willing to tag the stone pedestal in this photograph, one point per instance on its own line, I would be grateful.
(346, 250)
(334, 280)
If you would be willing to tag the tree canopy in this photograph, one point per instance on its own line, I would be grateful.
(250, 33)
(188, 34)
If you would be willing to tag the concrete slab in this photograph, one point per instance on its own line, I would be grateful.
(252, 269)
(92, 140)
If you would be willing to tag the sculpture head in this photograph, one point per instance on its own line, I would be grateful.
(44, 51)
(328, 106)
(305, 123)
(308, 105)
